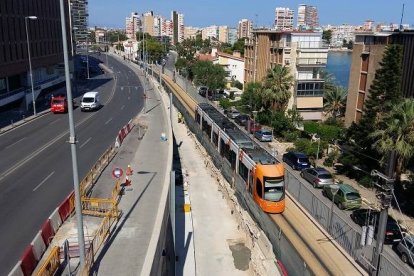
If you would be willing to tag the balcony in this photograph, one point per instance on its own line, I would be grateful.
(279, 44)
(311, 62)
(312, 46)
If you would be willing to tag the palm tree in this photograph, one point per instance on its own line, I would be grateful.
(276, 88)
(335, 101)
(397, 134)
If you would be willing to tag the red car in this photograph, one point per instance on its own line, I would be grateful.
(59, 104)
(253, 126)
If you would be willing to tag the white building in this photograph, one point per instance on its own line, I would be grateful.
(210, 32)
(232, 64)
(232, 37)
(341, 32)
(284, 18)
(130, 49)
(132, 25)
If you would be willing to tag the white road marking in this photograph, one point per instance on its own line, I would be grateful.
(84, 143)
(44, 180)
(107, 122)
(9, 146)
(55, 121)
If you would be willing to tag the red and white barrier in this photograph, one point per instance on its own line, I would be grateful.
(47, 232)
(55, 220)
(125, 130)
(65, 208)
(28, 261)
(38, 245)
(17, 270)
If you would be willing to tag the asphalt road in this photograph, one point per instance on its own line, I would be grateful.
(36, 165)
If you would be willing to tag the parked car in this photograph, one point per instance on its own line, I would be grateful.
(297, 160)
(264, 135)
(253, 126)
(242, 119)
(202, 91)
(371, 217)
(232, 113)
(318, 177)
(346, 196)
(216, 96)
(405, 249)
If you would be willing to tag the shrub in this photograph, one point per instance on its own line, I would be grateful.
(311, 127)
(330, 160)
(264, 117)
(366, 181)
(291, 136)
(280, 123)
(225, 103)
(325, 131)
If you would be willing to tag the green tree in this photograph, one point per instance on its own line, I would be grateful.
(209, 74)
(398, 134)
(327, 36)
(239, 46)
(384, 92)
(115, 36)
(155, 50)
(237, 84)
(251, 96)
(334, 102)
(276, 88)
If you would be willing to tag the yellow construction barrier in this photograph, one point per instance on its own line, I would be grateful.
(51, 264)
(100, 207)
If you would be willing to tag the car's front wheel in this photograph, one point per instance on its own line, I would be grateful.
(404, 258)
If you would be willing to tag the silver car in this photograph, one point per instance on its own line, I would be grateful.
(406, 249)
(318, 177)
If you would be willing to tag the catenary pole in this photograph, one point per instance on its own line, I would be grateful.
(72, 140)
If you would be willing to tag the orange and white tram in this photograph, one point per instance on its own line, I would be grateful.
(261, 172)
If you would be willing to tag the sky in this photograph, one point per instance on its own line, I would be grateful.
(201, 13)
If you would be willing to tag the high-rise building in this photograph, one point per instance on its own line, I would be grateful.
(284, 18)
(304, 54)
(45, 39)
(79, 20)
(178, 25)
(223, 35)
(368, 25)
(308, 17)
(148, 23)
(232, 37)
(132, 25)
(245, 28)
(367, 54)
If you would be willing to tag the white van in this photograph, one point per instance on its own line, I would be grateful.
(90, 101)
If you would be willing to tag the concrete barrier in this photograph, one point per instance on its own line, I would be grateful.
(55, 220)
(17, 270)
(38, 245)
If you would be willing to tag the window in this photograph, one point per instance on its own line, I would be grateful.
(243, 171)
(259, 188)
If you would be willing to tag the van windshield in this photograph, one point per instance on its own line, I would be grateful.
(88, 100)
(353, 196)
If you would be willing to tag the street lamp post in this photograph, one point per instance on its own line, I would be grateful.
(87, 53)
(30, 61)
(72, 140)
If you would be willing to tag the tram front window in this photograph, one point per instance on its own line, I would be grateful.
(274, 189)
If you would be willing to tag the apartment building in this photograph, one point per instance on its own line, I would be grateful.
(308, 17)
(305, 55)
(223, 34)
(367, 54)
(232, 64)
(232, 36)
(45, 39)
(79, 20)
(245, 28)
(341, 33)
(132, 25)
(284, 18)
(148, 23)
(191, 32)
(210, 32)
(178, 26)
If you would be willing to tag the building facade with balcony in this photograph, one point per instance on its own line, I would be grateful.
(305, 55)
(46, 50)
(367, 54)
(245, 28)
(79, 20)
(232, 64)
(284, 18)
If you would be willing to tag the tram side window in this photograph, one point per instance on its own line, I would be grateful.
(215, 139)
(232, 159)
(243, 171)
(198, 118)
(259, 188)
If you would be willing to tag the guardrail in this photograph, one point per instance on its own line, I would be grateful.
(51, 264)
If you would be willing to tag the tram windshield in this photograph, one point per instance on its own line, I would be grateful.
(274, 188)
